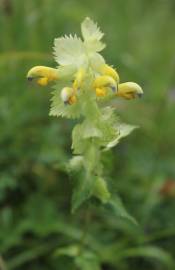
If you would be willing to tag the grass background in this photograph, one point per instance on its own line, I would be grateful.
(35, 191)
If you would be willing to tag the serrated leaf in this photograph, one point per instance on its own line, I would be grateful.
(90, 30)
(119, 210)
(69, 50)
(82, 191)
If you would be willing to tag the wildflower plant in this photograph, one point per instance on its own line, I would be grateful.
(84, 85)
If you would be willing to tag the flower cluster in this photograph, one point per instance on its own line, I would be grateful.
(79, 61)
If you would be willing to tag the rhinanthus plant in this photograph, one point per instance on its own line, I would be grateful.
(84, 87)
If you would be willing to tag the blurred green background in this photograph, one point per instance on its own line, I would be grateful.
(35, 189)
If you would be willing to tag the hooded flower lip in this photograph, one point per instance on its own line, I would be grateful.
(43, 75)
(110, 71)
(129, 90)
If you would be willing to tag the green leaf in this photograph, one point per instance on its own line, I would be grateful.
(82, 191)
(101, 190)
(70, 251)
(87, 260)
(84, 259)
(150, 252)
(119, 210)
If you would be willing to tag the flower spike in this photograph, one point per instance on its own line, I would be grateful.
(81, 66)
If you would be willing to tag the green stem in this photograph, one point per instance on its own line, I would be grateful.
(85, 231)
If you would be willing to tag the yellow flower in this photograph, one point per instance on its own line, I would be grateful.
(105, 81)
(101, 92)
(79, 77)
(42, 75)
(107, 70)
(129, 90)
(42, 81)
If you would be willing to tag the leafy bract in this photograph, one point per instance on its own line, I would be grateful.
(69, 50)
(90, 30)
(122, 131)
(92, 36)
(58, 108)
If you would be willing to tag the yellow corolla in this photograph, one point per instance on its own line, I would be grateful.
(105, 81)
(79, 77)
(109, 71)
(42, 75)
(129, 90)
(101, 92)
(68, 95)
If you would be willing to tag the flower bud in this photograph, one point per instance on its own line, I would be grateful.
(68, 95)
